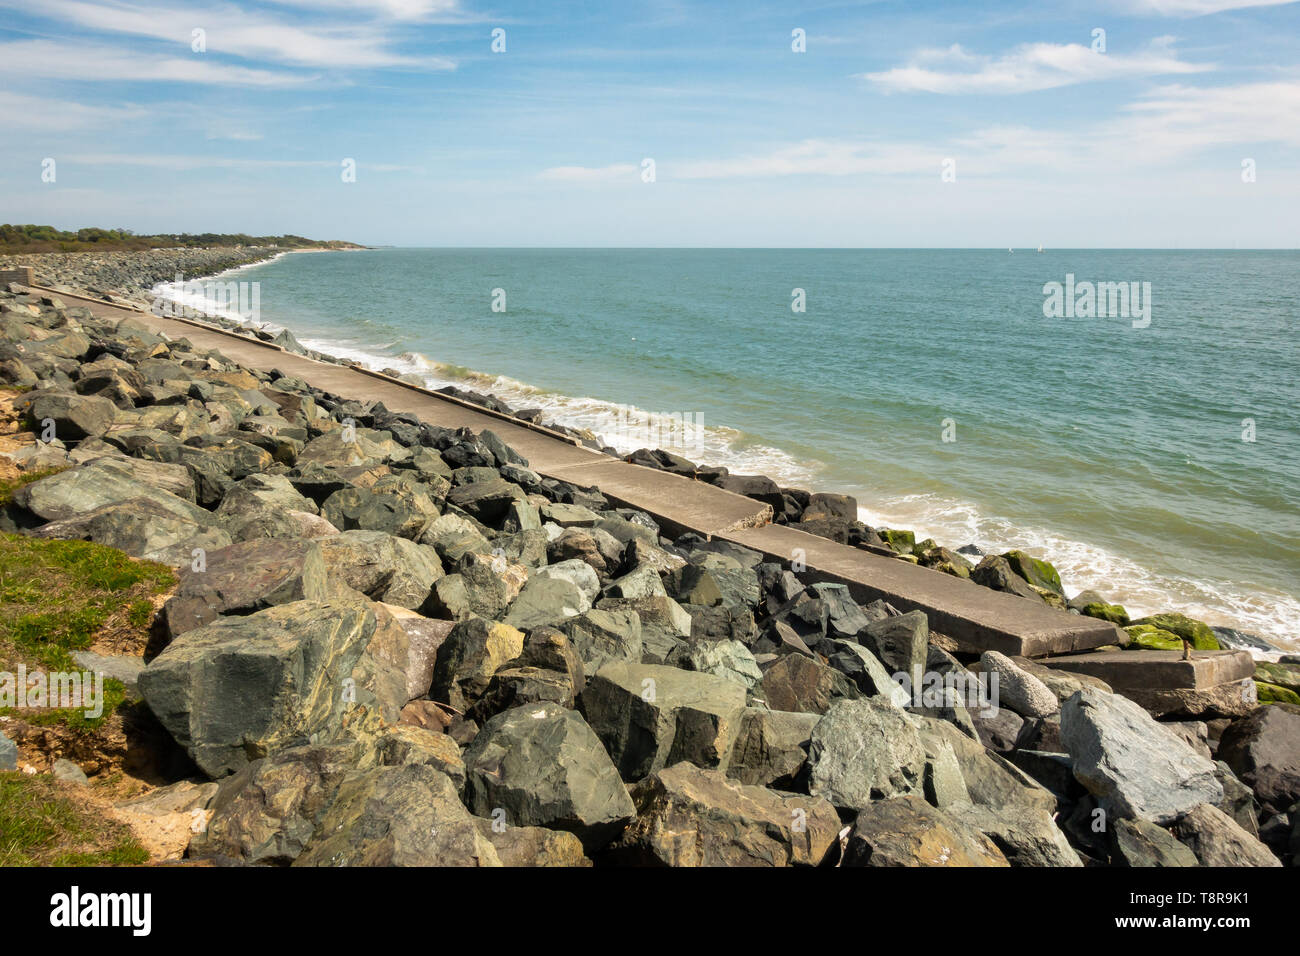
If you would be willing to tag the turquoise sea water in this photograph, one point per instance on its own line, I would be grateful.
(1115, 452)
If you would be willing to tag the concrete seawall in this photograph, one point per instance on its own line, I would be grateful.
(975, 616)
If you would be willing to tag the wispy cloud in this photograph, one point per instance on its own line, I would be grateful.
(18, 111)
(592, 174)
(1196, 8)
(1029, 67)
(230, 30)
(102, 63)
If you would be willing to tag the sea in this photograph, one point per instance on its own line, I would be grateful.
(1132, 416)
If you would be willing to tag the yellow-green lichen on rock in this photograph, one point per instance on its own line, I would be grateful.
(1114, 613)
(1148, 637)
(1198, 632)
(1274, 694)
(1036, 571)
(904, 542)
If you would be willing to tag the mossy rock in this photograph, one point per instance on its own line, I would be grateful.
(1283, 675)
(1198, 632)
(923, 546)
(949, 562)
(1148, 637)
(1273, 694)
(904, 542)
(909, 558)
(1114, 613)
(1036, 571)
(1050, 597)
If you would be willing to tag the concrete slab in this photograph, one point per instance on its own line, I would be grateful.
(973, 615)
(976, 616)
(1158, 670)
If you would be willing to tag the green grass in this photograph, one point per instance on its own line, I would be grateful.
(41, 826)
(56, 596)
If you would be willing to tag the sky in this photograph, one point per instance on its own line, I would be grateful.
(1114, 124)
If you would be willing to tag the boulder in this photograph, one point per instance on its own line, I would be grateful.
(1264, 751)
(649, 717)
(487, 501)
(107, 481)
(244, 578)
(160, 528)
(541, 765)
(1217, 840)
(730, 660)
(1185, 628)
(532, 846)
(398, 816)
(798, 683)
(1018, 689)
(864, 750)
(244, 687)
(1130, 763)
(74, 416)
(907, 831)
(901, 643)
(474, 650)
(1139, 843)
(687, 816)
(771, 748)
(601, 637)
(546, 602)
(453, 537)
(382, 566)
(1026, 837)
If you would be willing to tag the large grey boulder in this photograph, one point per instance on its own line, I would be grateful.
(391, 504)
(160, 528)
(800, 683)
(649, 716)
(245, 687)
(546, 602)
(244, 578)
(865, 750)
(1140, 843)
(541, 765)
(730, 660)
(256, 493)
(106, 481)
(453, 537)
(688, 816)
(574, 570)
(1027, 837)
(474, 650)
(1264, 751)
(382, 566)
(907, 831)
(1217, 840)
(398, 816)
(601, 637)
(771, 748)
(901, 643)
(1130, 763)
(74, 416)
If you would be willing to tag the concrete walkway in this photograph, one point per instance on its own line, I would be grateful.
(975, 616)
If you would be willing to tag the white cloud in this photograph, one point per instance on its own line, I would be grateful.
(1197, 8)
(100, 63)
(1029, 67)
(18, 111)
(592, 174)
(232, 31)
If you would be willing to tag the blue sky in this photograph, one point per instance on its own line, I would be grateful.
(753, 144)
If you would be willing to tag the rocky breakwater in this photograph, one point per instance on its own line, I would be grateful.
(394, 644)
(128, 277)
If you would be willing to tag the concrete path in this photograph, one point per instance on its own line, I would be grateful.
(975, 616)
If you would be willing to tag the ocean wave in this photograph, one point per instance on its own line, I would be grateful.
(1274, 616)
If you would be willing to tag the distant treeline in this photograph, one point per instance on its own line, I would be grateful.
(31, 238)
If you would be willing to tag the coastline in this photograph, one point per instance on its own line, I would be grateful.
(470, 607)
(962, 557)
(1142, 591)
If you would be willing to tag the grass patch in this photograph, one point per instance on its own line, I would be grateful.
(41, 825)
(56, 596)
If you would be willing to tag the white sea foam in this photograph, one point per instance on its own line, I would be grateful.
(1083, 566)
